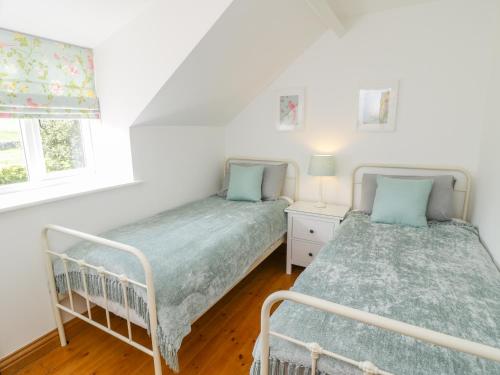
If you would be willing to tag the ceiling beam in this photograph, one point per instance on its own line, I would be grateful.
(327, 15)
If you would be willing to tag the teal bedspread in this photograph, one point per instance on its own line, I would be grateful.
(439, 278)
(197, 252)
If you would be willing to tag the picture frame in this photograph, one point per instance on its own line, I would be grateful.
(377, 106)
(290, 109)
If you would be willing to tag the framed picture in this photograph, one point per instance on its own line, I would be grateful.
(377, 106)
(290, 109)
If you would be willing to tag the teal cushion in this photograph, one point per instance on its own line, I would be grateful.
(245, 183)
(400, 201)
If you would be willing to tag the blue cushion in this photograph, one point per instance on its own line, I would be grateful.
(245, 183)
(401, 201)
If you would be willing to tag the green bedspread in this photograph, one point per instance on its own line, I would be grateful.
(197, 252)
(439, 277)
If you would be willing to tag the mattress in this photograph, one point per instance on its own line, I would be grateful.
(439, 277)
(197, 252)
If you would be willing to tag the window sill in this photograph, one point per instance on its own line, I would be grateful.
(33, 197)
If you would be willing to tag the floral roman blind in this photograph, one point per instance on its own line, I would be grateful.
(41, 78)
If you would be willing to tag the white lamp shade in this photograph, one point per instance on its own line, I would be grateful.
(322, 165)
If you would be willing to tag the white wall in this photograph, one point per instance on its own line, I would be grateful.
(487, 197)
(440, 51)
(177, 165)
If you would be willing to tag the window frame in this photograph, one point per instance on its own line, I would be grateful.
(32, 148)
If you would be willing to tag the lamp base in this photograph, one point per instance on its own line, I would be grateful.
(320, 205)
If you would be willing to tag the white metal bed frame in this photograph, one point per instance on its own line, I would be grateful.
(124, 280)
(292, 183)
(461, 189)
(419, 333)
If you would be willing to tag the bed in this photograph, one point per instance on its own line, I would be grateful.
(387, 299)
(165, 271)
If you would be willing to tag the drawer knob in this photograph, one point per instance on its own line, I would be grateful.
(310, 254)
(311, 231)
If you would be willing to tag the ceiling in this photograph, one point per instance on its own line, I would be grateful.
(90, 22)
(229, 66)
(348, 10)
(234, 62)
(82, 22)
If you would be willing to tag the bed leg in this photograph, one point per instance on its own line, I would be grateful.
(157, 361)
(60, 327)
(52, 290)
(264, 333)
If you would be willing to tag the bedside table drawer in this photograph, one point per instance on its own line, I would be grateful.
(303, 252)
(312, 230)
(309, 228)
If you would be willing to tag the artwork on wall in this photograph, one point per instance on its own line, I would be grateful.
(377, 106)
(290, 109)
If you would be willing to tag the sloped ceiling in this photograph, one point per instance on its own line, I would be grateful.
(82, 22)
(136, 61)
(250, 44)
(186, 69)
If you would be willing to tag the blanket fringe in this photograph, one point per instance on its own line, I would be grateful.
(277, 367)
(114, 293)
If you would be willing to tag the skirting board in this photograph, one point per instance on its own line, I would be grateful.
(28, 354)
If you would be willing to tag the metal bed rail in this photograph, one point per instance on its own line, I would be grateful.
(103, 273)
(368, 368)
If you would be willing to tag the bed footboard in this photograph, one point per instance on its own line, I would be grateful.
(103, 273)
(368, 368)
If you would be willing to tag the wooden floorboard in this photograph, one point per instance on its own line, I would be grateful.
(220, 342)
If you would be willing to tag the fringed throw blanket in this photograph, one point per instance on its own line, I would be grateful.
(197, 252)
(439, 277)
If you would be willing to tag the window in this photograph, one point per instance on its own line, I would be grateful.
(34, 152)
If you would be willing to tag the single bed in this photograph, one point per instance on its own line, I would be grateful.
(438, 278)
(189, 258)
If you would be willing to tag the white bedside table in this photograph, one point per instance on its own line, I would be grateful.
(309, 228)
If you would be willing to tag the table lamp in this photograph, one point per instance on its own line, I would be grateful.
(321, 165)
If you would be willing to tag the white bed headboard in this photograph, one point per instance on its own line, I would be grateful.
(461, 191)
(291, 186)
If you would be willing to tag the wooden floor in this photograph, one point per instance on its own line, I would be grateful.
(221, 341)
